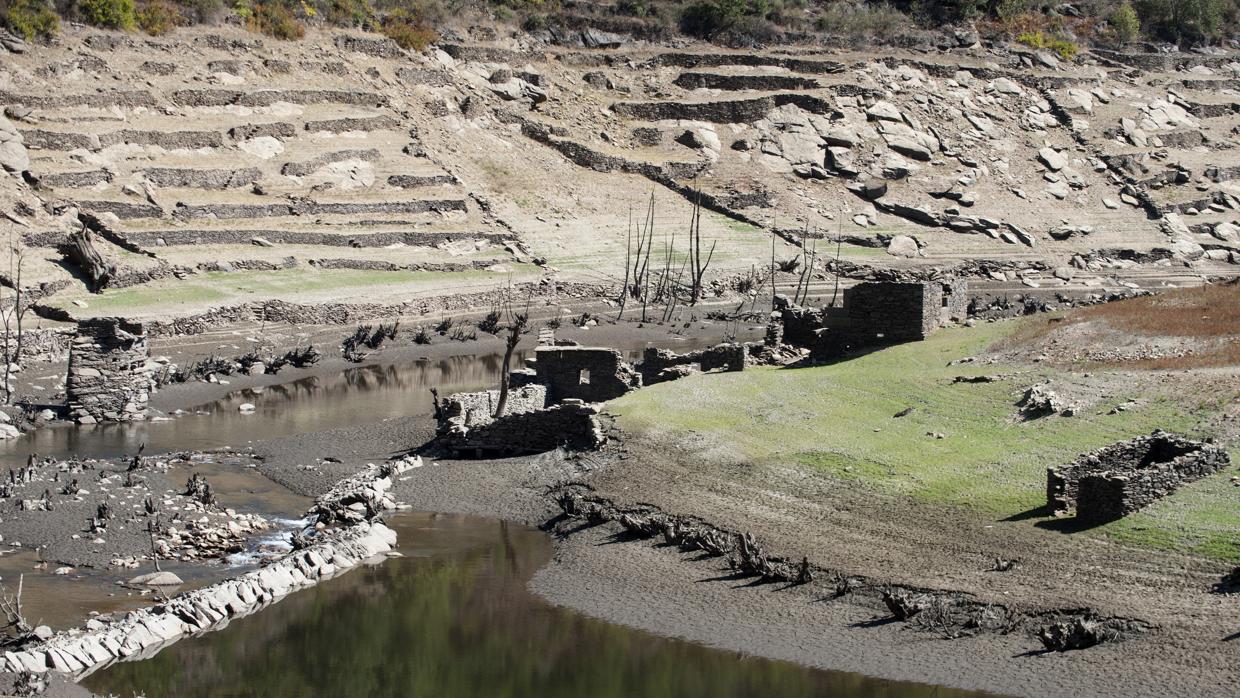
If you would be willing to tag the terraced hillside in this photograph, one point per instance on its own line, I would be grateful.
(215, 168)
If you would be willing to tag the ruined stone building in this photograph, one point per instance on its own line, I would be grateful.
(550, 404)
(1116, 480)
(875, 313)
(110, 372)
(589, 374)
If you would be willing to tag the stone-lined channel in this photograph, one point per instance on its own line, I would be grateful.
(452, 617)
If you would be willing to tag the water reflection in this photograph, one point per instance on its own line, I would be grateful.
(355, 396)
(454, 618)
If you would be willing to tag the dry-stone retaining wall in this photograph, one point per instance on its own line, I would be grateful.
(1116, 480)
(110, 371)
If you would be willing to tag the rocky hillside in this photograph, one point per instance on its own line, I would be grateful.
(213, 167)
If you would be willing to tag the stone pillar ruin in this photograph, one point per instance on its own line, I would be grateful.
(110, 376)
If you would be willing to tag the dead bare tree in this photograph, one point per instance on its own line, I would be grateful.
(15, 625)
(628, 259)
(152, 527)
(11, 317)
(839, 243)
(774, 234)
(697, 264)
(518, 324)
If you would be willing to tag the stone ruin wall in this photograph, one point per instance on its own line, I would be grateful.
(877, 313)
(656, 363)
(583, 373)
(1114, 481)
(529, 424)
(110, 372)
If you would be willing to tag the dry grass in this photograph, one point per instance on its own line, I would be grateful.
(1208, 314)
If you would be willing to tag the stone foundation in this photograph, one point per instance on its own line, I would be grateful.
(660, 365)
(110, 372)
(1116, 480)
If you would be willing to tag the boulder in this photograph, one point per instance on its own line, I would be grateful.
(883, 110)
(1006, 86)
(1053, 159)
(1226, 231)
(13, 156)
(157, 579)
(904, 246)
(908, 147)
(869, 189)
(1080, 101)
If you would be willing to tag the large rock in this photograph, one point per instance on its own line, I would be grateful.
(1053, 159)
(1006, 86)
(13, 156)
(868, 189)
(1226, 231)
(884, 111)
(903, 246)
(157, 579)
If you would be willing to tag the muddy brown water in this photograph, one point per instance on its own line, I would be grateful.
(453, 617)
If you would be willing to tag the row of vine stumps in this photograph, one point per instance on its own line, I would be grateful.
(949, 614)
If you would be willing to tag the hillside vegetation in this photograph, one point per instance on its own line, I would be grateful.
(414, 24)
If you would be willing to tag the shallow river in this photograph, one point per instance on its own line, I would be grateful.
(452, 618)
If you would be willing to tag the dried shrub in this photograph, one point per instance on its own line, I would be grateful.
(409, 31)
(347, 13)
(1064, 48)
(275, 20)
(158, 17)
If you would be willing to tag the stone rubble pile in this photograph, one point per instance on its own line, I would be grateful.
(362, 496)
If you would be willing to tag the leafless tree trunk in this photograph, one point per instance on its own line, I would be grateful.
(774, 291)
(699, 266)
(628, 258)
(518, 325)
(11, 319)
(839, 243)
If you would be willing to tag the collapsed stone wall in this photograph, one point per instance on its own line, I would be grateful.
(660, 365)
(528, 425)
(1116, 480)
(110, 371)
(584, 373)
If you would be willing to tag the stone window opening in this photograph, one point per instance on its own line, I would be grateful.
(583, 378)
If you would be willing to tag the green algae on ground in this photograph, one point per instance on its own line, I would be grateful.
(839, 419)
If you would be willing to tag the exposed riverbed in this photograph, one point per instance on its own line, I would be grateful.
(452, 617)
